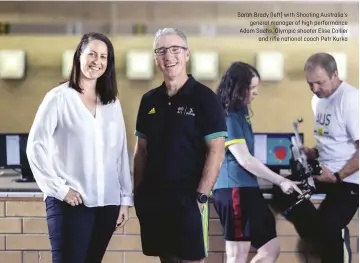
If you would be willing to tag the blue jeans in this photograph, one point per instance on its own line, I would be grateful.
(79, 234)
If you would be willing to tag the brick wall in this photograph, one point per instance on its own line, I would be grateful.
(24, 239)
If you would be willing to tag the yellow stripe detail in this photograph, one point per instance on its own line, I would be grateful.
(231, 142)
(205, 225)
(346, 256)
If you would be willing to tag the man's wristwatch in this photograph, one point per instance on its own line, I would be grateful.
(202, 198)
(338, 178)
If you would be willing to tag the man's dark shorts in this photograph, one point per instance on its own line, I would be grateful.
(175, 229)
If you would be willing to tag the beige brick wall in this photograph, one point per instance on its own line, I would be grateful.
(24, 239)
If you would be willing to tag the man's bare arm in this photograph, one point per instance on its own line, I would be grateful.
(140, 155)
(352, 165)
(214, 159)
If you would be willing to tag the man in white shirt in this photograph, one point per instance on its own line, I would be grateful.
(335, 106)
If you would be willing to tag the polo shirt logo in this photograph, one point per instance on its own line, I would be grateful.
(185, 111)
(180, 110)
(190, 112)
(152, 111)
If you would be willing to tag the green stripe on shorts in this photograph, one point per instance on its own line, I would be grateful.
(205, 225)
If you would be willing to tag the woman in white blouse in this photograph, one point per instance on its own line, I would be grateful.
(77, 150)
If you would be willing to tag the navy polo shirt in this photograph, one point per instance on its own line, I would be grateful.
(176, 129)
(232, 174)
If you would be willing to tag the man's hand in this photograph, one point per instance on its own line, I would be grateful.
(123, 216)
(73, 198)
(326, 176)
(310, 153)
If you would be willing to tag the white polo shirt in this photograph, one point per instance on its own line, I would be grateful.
(70, 148)
(336, 128)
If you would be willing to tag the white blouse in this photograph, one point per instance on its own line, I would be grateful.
(70, 148)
